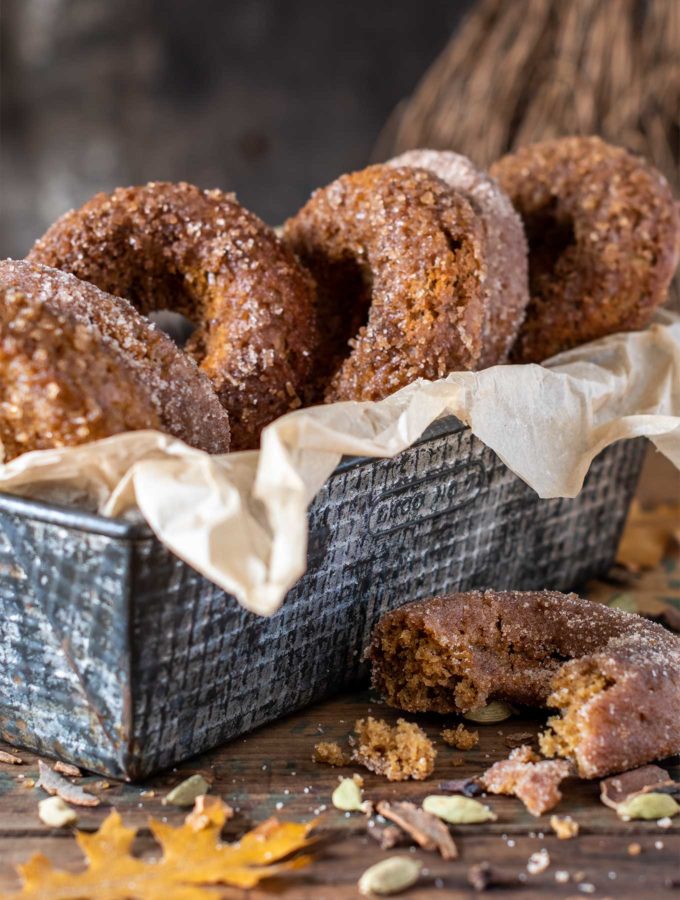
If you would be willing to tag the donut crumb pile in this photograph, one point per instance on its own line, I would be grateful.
(399, 752)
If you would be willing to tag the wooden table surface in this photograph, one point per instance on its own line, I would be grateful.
(271, 772)
(273, 767)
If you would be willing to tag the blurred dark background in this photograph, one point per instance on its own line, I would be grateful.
(269, 98)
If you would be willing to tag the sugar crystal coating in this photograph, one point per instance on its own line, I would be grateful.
(400, 261)
(77, 364)
(200, 253)
(507, 281)
(604, 239)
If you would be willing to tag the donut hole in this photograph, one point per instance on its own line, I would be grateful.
(550, 233)
(345, 291)
(455, 244)
(175, 325)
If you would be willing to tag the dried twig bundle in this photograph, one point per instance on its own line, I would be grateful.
(526, 70)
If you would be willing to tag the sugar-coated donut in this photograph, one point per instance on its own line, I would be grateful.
(604, 238)
(200, 253)
(401, 265)
(507, 280)
(613, 676)
(77, 364)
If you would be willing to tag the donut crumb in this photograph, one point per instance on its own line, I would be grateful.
(398, 752)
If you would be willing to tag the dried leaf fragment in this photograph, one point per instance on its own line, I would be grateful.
(648, 806)
(618, 788)
(425, 829)
(390, 876)
(388, 836)
(186, 792)
(54, 784)
(192, 861)
(458, 810)
(55, 813)
(10, 758)
(469, 787)
(67, 769)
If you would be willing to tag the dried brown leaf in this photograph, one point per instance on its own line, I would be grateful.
(67, 769)
(10, 759)
(54, 784)
(619, 788)
(647, 536)
(426, 830)
(193, 860)
(388, 836)
(468, 787)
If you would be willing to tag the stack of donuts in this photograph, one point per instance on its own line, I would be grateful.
(410, 269)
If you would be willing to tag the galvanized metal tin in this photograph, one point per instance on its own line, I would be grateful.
(118, 657)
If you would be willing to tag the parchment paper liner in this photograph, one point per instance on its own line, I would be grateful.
(240, 519)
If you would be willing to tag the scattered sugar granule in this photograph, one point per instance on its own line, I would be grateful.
(538, 862)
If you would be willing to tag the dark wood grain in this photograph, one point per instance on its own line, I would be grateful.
(273, 766)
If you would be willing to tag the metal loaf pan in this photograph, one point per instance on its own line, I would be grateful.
(118, 657)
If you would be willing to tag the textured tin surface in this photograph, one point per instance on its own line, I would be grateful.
(118, 657)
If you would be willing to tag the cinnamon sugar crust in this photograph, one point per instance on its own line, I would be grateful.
(77, 364)
(200, 253)
(604, 240)
(613, 676)
(507, 282)
(400, 262)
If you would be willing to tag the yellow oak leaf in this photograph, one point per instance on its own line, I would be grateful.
(193, 859)
(647, 535)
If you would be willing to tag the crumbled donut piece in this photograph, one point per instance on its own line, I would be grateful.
(331, 754)
(398, 752)
(525, 776)
(564, 827)
(614, 676)
(460, 738)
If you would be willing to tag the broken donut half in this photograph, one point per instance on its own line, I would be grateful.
(613, 677)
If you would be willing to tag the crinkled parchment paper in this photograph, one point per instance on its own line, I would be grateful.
(240, 519)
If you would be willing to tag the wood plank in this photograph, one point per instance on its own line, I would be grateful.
(271, 773)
